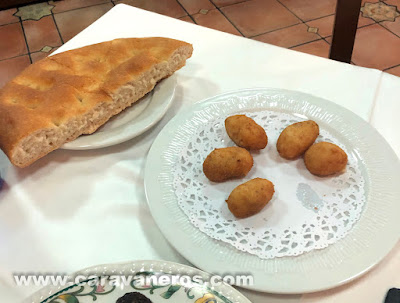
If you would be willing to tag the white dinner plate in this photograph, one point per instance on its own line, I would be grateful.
(109, 291)
(132, 121)
(370, 239)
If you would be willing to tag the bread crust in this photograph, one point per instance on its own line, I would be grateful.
(61, 97)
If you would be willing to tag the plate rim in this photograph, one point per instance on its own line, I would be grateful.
(170, 83)
(150, 182)
(46, 292)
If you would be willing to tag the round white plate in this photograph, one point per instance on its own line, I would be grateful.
(132, 121)
(157, 293)
(367, 242)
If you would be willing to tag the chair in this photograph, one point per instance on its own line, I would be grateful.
(344, 31)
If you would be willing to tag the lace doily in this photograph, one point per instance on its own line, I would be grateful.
(305, 213)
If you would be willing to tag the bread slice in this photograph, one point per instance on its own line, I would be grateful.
(69, 94)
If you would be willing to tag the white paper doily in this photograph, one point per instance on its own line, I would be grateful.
(306, 212)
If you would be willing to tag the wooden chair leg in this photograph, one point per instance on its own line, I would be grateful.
(344, 31)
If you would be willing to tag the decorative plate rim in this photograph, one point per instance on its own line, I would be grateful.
(225, 290)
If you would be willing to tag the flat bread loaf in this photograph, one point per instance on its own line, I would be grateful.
(69, 94)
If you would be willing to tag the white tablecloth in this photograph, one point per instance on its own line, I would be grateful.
(75, 209)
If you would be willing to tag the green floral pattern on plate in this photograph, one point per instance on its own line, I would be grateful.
(85, 292)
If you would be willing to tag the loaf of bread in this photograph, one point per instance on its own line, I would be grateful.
(72, 93)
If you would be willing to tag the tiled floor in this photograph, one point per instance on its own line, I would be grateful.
(30, 33)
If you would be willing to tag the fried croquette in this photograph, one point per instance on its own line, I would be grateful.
(250, 197)
(227, 163)
(324, 158)
(296, 139)
(245, 132)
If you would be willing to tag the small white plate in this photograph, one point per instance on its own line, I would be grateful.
(370, 239)
(164, 293)
(131, 122)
